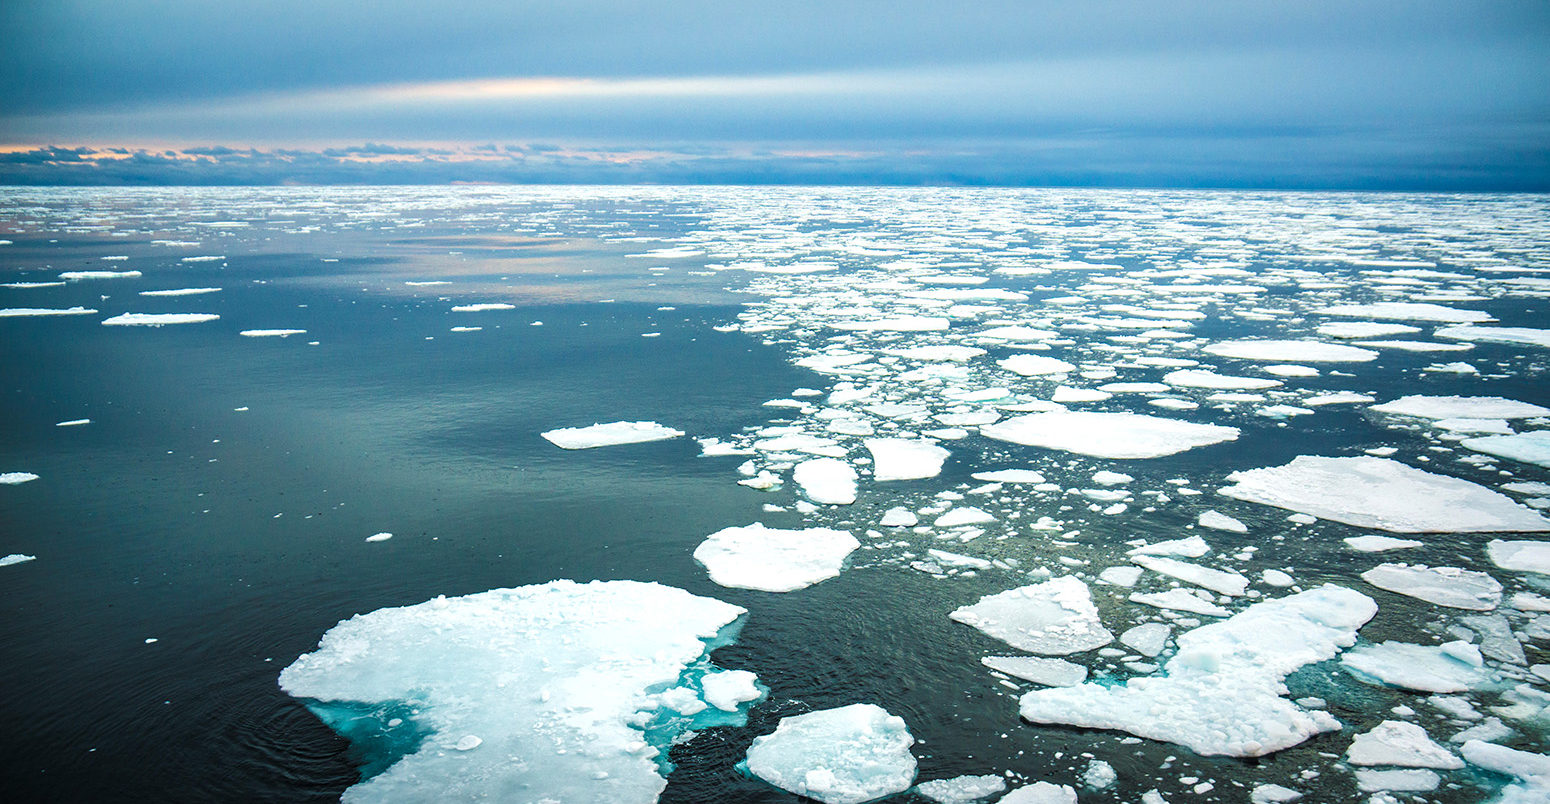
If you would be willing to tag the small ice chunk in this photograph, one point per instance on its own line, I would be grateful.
(36, 312)
(1121, 576)
(1180, 600)
(899, 517)
(1201, 378)
(73, 423)
(1402, 781)
(379, 537)
(16, 558)
(1452, 667)
(1446, 586)
(1400, 744)
(829, 481)
(961, 789)
(469, 742)
(1532, 447)
(157, 319)
(849, 755)
(482, 307)
(1035, 365)
(1219, 581)
(271, 333)
(1065, 394)
(1382, 493)
(1099, 775)
(1107, 478)
(1054, 618)
(1109, 435)
(774, 560)
(1378, 544)
(1010, 476)
(16, 478)
(728, 689)
(1291, 351)
(1039, 670)
(1148, 639)
(966, 515)
(1188, 547)
(1276, 578)
(611, 434)
(1273, 794)
(904, 459)
(1516, 335)
(1040, 793)
(1220, 521)
(1522, 556)
(1351, 330)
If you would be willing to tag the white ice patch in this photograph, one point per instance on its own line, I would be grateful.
(1402, 781)
(1381, 493)
(1188, 547)
(774, 560)
(1221, 693)
(1402, 745)
(1533, 769)
(180, 292)
(849, 755)
(1291, 351)
(1445, 586)
(608, 435)
(1180, 600)
(1220, 521)
(1406, 311)
(1451, 667)
(157, 319)
(1532, 447)
(1108, 435)
(16, 558)
(1378, 544)
(1054, 618)
(898, 324)
(1035, 365)
(829, 481)
(961, 789)
(1219, 581)
(482, 307)
(1460, 407)
(551, 679)
(1201, 378)
(904, 459)
(75, 276)
(1364, 329)
(1039, 670)
(16, 478)
(1515, 335)
(271, 333)
(1524, 556)
(37, 312)
(729, 689)
(1010, 476)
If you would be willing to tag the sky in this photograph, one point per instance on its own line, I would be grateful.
(1355, 94)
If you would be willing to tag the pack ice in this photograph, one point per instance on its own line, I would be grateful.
(1108, 435)
(1054, 618)
(774, 560)
(538, 693)
(1381, 493)
(1221, 692)
(849, 755)
(611, 434)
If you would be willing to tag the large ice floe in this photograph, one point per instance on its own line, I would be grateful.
(774, 560)
(849, 755)
(1291, 351)
(1460, 407)
(1532, 447)
(1108, 435)
(610, 434)
(1222, 692)
(560, 692)
(1446, 586)
(1382, 493)
(1451, 667)
(1053, 618)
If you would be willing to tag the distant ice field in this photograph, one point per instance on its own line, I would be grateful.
(735, 494)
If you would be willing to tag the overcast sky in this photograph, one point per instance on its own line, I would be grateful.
(1394, 94)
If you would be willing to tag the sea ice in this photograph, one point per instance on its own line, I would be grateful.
(1054, 618)
(1035, 365)
(1364, 329)
(1403, 781)
(482, 307)
(271, 333)
(1219, 581)
(1533, 769)
(1040, 793)
(1109, 435)
(1148, 639)
(1515, 335)
(729, 689)
(961, 789)
(1451, 667)
(1200, 378)
(1525, 556)
(898, 324)
(1298, 351)
(849, 755)
(1460, 407)
(1378, 544)
(899, 517)
(1010, 476)
(1219, 521)
(607, 435)
(964, 515)
(27, 312)
(1406, 311)
(1402, 745)
(180, 292)
(1445, 586)
(16, 478)
(73, 276)
(553, 680)
(1039, 670)
(904, 459)
(16, 558)
(1221, 692)
(829, 481)
(157, 319)
(1381, 493)
(1180, 600)
(1188, 547)
(774, 560)
(1531, 447)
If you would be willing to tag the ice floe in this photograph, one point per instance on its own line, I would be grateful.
(36, 312)
(1406, 311)
(1296, 351)
(157, 319)
(483, 307)
(76, 276)
(1382, 493)
(1053, 618)
(961, 789)
(1460, 407)
(16, 478)
(830, 481)
(1200, 378)
(271, 333)
(1523, 556)
(1401, 745)
(1039, 670)
(1040, 793)
(1515, 335)
(1219, 581)
(554, 681)
(1222, 691)
(180, 292)
(1531, 447)
(610, 434)
(850, 755)
(904, 459)
(1108, 435)
(1451, 667)
(772, 559)
(16, 558)
(1446, 586)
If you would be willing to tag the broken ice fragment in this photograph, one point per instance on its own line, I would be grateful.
(850, 755)
(1524, 556)
(904, 459)
(1446, 586)
(1109, 435)
(607, 435)
(1053, 618)
(774, 560)
(829, 481)
(1532, 447)
(1400, 744)
(1451, 667)
(1049, 672)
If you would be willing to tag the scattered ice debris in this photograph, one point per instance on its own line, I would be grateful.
(1402, 745)
(1221, 692)
(1180, 600)
(157, 319)
(30, 312)
(904, 459)
(1219, 581)
(1188, 547)
(1039, 670)
(1532, 447)
(1040, 793)
(1108, 435)
(1297, 351)
(1219, 521)
(961, 789)
(554, 679)
(482, 307)
(1381, 493)
(1201, 378)
(830, 481)
(15, 478)
(16, 558)
(1054, 618)
(1406, 311)
(180, 292)
(611, 434)
(1035, 365)
(204, 258)
(1513, 335)
(1460, 407)
(850, 755)
(379, 537)
(774, 560)
(1445, 586)
(898, 324)
(1378, 544)
(271, 333)
(74, 276)
(1451, 667)
(1525, 556)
